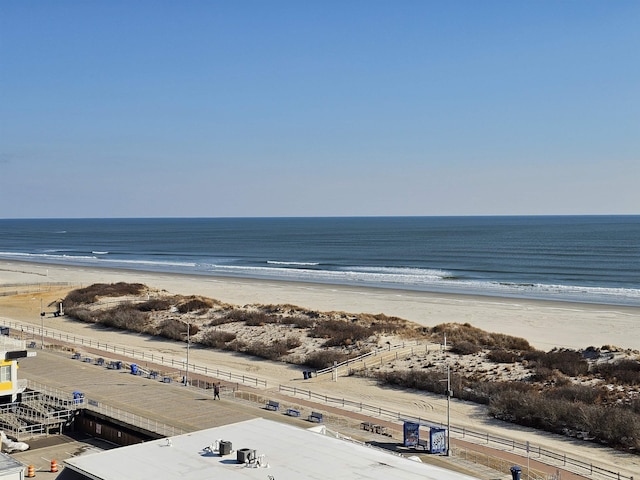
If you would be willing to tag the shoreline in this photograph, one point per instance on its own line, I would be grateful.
(546, 324)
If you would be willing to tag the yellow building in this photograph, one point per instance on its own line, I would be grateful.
(11, 350)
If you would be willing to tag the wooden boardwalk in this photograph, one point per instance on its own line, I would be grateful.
(184, 408)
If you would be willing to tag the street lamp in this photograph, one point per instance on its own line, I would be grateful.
(186, 370)
(41, 326)
(449, 395)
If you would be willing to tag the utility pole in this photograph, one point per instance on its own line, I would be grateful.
(186, 370)
(41, 326)
(449, 394)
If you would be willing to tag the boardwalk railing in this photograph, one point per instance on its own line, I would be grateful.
(25, 288)
(382, 354)
(111, 412)
(543, 455)
(140, 355)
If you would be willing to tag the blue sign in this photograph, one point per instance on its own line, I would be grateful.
(411, 434)
(437, 440)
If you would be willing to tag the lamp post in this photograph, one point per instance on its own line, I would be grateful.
(41, 326)
(449, 394)
(186, 370)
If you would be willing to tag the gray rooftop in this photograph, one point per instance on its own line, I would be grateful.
(290, 453)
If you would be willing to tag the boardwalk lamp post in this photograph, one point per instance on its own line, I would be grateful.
(449, 394)
(186, 370)
(41, 326)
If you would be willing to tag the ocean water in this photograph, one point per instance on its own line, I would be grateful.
(592, 259)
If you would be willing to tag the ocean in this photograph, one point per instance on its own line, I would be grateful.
(590, 259)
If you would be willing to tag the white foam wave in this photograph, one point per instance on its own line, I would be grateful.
(45, 256)
(151, 263)
(95, 260)
(406, 271)
(294, 264)
(98, 252)
(434, 280)
(385, 277)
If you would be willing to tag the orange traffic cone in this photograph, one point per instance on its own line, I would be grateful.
(31, 471)
(54, 466)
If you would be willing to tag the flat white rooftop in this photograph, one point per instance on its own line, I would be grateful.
(291, 453)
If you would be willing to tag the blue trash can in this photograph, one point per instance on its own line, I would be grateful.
(515, 472)
(78, 397)
(134, 369)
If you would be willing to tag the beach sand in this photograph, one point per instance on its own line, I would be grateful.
(545, 325)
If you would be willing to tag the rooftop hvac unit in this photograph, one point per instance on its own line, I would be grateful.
(246, 455)
(225, 448)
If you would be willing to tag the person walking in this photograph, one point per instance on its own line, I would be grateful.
(216, 391)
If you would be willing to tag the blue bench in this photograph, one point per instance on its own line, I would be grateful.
(293, 412)
(271, 405)
(76, 356)
(315, 417)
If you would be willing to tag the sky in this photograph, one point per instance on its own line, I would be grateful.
(252, 108)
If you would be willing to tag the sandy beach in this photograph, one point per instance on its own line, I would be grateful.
(545, 324)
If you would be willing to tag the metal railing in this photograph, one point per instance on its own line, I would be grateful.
(543, 455)
(30, 288)
(383, 352)
(66, 398)
(140, 355)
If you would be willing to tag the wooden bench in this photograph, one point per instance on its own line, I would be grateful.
(373, 427)
(271, 405)
(315, 417)
(293, 412)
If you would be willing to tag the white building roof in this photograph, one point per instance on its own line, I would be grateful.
(291, 453)
(10, 467)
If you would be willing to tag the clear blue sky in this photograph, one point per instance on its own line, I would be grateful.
(318, 108)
